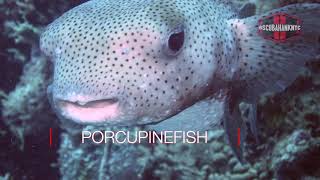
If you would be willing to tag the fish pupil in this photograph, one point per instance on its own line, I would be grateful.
(176, 41)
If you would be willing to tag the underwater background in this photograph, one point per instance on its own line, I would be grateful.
(289, 122)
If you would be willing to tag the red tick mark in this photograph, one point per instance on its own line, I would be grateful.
(50, 137)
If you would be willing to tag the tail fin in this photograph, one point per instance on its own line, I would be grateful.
(268, 66)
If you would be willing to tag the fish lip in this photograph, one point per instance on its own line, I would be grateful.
(99, 103)
(79, 99)
(93, 111)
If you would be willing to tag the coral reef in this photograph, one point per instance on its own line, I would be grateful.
(25, 114)
(26, 125)
(297, 156)
(99, 161)
(28, 99)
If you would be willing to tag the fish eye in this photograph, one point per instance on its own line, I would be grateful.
(175, 41)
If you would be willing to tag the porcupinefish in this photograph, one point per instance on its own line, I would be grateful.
(133, 62)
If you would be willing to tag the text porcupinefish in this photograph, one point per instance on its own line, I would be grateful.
(130, 62)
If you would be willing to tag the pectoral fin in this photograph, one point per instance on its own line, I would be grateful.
(235, 127)
(253, 121)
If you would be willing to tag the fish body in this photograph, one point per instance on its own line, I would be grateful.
(107, 50)
(134, 62)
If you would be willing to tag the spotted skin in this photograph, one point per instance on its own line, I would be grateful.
(103, 49)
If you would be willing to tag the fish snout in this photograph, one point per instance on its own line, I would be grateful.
(88, 111)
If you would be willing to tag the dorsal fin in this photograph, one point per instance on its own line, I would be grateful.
(247, 10)
(271, 66)
(288, 2)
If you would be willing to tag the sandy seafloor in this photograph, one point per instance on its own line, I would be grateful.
(289, 122)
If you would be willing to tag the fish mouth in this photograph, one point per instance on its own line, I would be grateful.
(95, 111)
